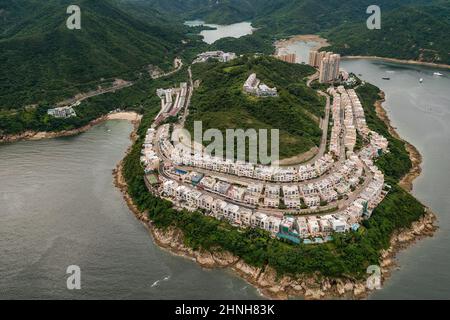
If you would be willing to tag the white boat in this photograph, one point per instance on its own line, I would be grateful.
(438, 74)
(421, 80)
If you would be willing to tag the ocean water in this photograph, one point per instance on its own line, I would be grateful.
(420, 112)
(59, 207)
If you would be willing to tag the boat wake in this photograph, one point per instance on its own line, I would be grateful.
(157, 282)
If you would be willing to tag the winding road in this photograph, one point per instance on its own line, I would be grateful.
(334, 206)
(178, 63)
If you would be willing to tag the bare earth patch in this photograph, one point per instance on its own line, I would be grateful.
(321, 42)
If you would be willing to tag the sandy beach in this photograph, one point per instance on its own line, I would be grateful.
(124, 115)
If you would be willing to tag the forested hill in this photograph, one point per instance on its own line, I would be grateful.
(417, 33)
(40, 59)
(221, 103)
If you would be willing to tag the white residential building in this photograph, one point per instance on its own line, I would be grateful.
(312, 201)
(292, 202)
(272, 201)
(290, 190)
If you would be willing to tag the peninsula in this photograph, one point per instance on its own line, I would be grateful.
(309, 229)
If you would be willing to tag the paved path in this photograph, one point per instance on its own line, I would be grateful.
(126, 84)
(323, 122)
(323, 125)
(91, 94)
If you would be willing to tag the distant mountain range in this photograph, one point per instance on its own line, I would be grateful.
(41, 60)
(415, 32)
(411, 29)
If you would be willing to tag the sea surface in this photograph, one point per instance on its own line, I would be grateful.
(59, 207)
(235, 30)
(421, 114)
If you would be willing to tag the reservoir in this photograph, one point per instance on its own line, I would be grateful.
(235, 30)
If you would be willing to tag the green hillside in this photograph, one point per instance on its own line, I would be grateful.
(417, 33)
(41, 60)
(221, 12)
(411, 29)
(220, 102)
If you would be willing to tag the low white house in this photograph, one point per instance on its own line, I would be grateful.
(255, 187)
(272, 224)
(206, 202)
(252, 198)
(312, 201)
(325, 225)
(272, 190)
(236, 193)
(231, 212)
(222, 187)
(245, 216)
(292, 202)
(218, 206)
(208, 183)
(302, 227)
(329, 196)
(272, 201)
(338, 225)
(169, 187)
(313, 226)
(182, 192)
(257, 219)
(290, 190)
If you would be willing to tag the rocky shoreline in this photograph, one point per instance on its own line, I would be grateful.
(35, 136)
(416, 158)
(265, 278)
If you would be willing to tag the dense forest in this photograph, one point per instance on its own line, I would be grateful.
(221, 103)
(410, 29)
(41, 60)
(140, 98)
(412, 33)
